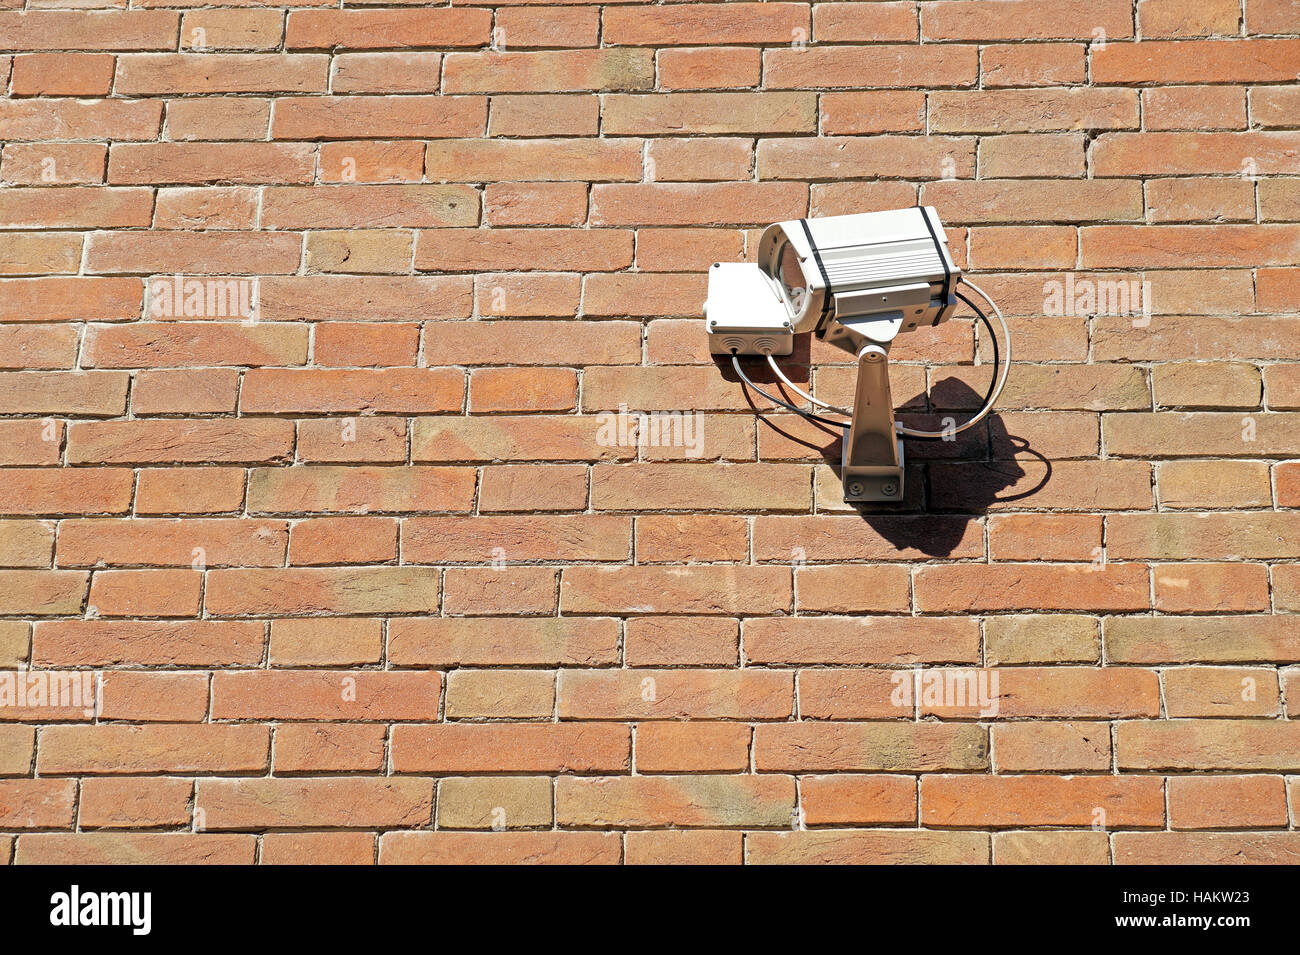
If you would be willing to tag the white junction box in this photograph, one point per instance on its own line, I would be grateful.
(745, 316)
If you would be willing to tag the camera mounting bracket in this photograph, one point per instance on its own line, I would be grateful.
(872, 462)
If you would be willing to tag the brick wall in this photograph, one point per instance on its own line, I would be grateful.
(319, 511)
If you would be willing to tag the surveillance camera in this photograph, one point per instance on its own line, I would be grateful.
(830, 276)
(856, 281)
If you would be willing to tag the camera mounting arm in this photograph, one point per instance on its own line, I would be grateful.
(872, 461)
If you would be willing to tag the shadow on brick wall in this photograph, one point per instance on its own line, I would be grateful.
(947, 483)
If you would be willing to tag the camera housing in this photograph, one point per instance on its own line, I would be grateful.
(856, 281)
(847, 279)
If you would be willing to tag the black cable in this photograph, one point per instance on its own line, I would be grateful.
(993, 382)
(735, 361)
(811, 416)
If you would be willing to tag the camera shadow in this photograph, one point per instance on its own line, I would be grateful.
(947, 483)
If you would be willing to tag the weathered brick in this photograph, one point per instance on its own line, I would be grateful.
(673, 694)
(675, 801)
(525, 747)
(324, 695)
(301, 591)
(120, 748)
(291, 803)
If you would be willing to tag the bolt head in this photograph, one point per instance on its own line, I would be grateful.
(889, 489)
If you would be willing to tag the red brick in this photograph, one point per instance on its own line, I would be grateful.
(848, 800)
(685, 847)
(868, 747)
(89, 30)
(154, 697)
(371, 298)
(339, 591)
(499, 848)
(548, 72)
(360, 489)
(391, 72)
(343, 540)
(213, 118)
(743, 203)
(532, 343)
(1226, 802)
(651, 114)
(293, 803)
(675, 694)
(525, 747)
(159, 441)
(1024, 19)
(861, 640)
(710, 68)
(37, 803)
(190, 643)
(191, 391)
(357, 343)
(348, 641)
(532, 114)
(1032, 586)
(189, 490)
(329, 747)
(674, 801)
(707, 590)
(469, 641)
(135, 803)
(692, 747)
(1192, 61)
(1034, 746)
(318, 848)
(902, 67)
(522, 389)
(492, 590)
(146, 593)
(178, 344)
(1206, 745)
(62, 74)
(107, 848)
(232, 29)
(89, 491)
(705, 23)
(313, 391)
(163, 163)
(535, 203)
(478, 250)
(867, 846)
(1014, 801)
(386, 29)
(123, 749)
(68, 164)
(1033, 64)
(171, 73)
(544, 26)
(86, 119)
(357, 695)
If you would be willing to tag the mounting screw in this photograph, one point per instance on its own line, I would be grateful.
(787, 324)
(713, 323)
(889, 489)
(855, 488)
